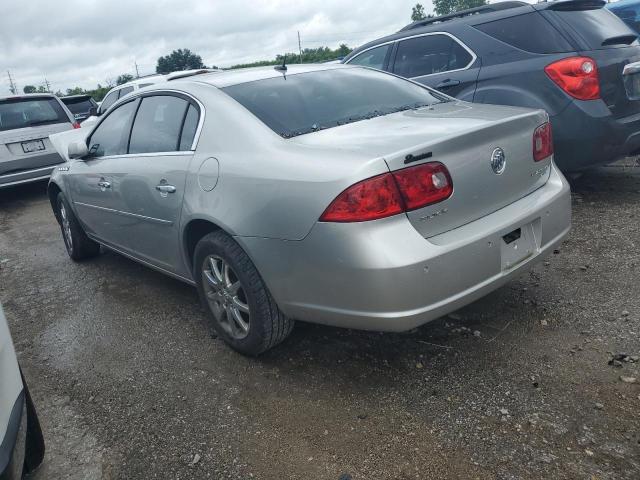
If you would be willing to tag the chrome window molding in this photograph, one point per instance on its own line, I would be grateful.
(149, 93)
(474, 57)
(131, 155)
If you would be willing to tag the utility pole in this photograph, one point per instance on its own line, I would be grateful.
(137, 72)
(12, 85)
(46, 82)
(299, 47)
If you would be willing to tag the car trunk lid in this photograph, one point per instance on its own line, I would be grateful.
(461, 136)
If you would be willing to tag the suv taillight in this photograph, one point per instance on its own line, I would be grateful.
(578, 76)
(391, 193)
(542, 142)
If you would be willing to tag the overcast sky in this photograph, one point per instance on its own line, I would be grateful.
(86, 42)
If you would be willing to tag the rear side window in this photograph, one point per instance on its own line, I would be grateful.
(529, 32)
(189, 129)
(110, 138)
(30, 112)
(125, 91)
(430, 54)
(598, 28)
(373, 58)
(157, 125)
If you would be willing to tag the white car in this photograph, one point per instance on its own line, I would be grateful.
(120, 91)
(21, 441)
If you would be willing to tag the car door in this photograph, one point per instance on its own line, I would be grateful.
(150, 180)
(440, 61)
(92, 185)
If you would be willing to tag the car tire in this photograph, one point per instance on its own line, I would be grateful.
(238, 304)
(78, 245)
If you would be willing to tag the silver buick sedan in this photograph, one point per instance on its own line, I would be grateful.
(327, 193)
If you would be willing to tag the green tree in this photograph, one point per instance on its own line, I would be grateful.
(309, 55)
(445, 7)
(124, 78)
(181, 59)
(29, 89)
(75, 91)
(417, 13)
(42, 89)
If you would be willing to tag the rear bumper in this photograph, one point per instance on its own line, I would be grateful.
(31, 175)
(383, 275)
(587, 135)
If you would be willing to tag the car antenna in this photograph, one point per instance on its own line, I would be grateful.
(283, 67)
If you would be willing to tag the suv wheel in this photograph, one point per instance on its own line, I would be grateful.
(79, 246)
(239, 306)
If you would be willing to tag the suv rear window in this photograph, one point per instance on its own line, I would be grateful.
(30, 112)
(529, 32)
(598, 28)
(293, 105)
(79, 105)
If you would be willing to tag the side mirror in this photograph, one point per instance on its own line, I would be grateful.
(93, 112)
(77, 149)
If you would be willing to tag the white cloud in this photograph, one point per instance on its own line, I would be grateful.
(85, 42)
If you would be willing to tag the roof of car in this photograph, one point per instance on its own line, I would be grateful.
(27, 95)
(227, 78)
(74, 97)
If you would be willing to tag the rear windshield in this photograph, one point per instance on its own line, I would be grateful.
(598, 28)
(629, 13)
(293, 105)
(30, 112)
(79, 105)
(516, 31)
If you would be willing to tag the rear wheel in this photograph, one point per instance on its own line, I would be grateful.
(239, 306)
(79, 246)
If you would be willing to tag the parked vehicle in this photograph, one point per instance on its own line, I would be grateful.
(120, 91)
(26, 121)
(628, 11)
(82, 106)
(323, 193)
(573, 59)
(21, 440)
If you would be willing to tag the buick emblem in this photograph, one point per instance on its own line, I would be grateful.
(498, 161)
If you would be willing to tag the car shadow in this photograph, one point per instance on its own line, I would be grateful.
(19, 195)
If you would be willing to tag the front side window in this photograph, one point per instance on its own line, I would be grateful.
(189, 129)
(30, 112)
(157, 125)
(295, 105)
(373, 58)
(111, 136)
(430, 54)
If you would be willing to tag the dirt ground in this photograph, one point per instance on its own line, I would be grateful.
(515, 386)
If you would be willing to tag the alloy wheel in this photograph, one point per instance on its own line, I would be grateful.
(226, 297)
(66, 227)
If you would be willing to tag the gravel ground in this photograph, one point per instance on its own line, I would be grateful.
(516, 386)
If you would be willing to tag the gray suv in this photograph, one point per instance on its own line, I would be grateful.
(574, 59)
(26, 121)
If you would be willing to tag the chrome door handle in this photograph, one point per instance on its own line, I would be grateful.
(103, 184)
(166, 188)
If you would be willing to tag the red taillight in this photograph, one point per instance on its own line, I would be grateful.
(542, 142)
(391, 193)
(578, 76)
(75, 125)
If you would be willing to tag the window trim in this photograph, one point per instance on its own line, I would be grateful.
(392, 61)
(135, 96)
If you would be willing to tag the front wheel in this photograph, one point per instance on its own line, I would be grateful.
(239, 306)
(79, 246)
